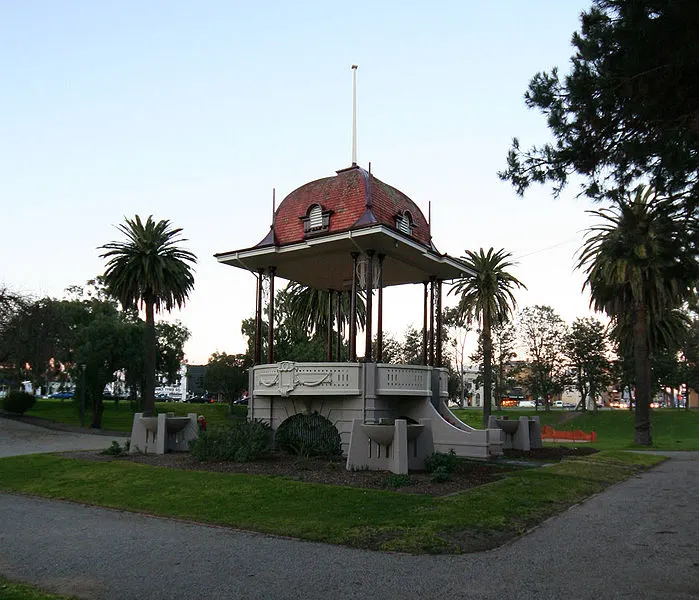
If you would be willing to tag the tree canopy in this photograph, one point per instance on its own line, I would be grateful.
(487, 297)
(628, 110)
(150, 270)
(640, 270)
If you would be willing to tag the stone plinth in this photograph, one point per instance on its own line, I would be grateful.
(161, 434)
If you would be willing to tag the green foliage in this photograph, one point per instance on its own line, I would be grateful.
(10, 590)
(242, 441)
(487, 298)
(309, 435)
(444, 462)
(18, 402)
(226, 374)
(170, 339)
(308, 308)
(412, 347)
(586, 347)
(441, 474)
(628, 108)
(641, 266)
(397, 480)
(542, 331)
(379, 519)
(122, 419)
(115, 449)
(149, 270)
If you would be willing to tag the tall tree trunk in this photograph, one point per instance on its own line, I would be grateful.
(642, 433)
(148, 400)
(487, 367)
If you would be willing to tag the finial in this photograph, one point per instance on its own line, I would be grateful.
(354, 115)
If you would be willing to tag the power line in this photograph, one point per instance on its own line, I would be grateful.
(546, 248)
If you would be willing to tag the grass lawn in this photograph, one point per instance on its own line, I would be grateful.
(119, 416)
(368, 518)
(378, 519)
(10, 590)
(673, 429)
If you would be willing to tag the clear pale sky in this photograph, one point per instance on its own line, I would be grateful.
(194, 111)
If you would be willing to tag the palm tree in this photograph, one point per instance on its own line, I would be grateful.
(150, 271)
(487, 296)
(640, 268)
(309, 307)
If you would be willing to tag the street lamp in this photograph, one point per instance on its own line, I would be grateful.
(82, 404)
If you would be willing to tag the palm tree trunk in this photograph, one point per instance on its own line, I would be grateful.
(642, 433)
(148, 399)
(487, 368)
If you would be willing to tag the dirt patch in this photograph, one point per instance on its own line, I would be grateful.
(466, 474)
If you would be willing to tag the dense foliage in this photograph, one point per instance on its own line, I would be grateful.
(309, 435)
(18, 402)
(641, 268)
(149, 270)
(241, 441)
(627, 111)
(85, 340)
(486, 296)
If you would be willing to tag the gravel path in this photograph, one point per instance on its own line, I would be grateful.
(636, 540)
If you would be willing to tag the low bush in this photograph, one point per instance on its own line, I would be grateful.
(442, 462)
(18, 402)
(441, 474)
(309, 435)
(397, 480)
(241, 441)
(115, 449)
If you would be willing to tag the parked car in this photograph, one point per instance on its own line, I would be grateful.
(198, 398)
(61, 395)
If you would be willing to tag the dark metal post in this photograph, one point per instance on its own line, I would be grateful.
(258, 320)
(439, 323)
(369, 294)
(432, 321)
(379, 322)
(339, 325)
(270, 330)
(329, 341)
(353, 311)
(82, 403)
(424, 325)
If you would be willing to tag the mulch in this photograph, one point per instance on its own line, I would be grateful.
(466, 474)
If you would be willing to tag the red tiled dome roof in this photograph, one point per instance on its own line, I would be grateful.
(355, 199)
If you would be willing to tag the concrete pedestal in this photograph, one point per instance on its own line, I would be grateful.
(161, 434)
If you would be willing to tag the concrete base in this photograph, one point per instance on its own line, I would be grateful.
(161, 434)
(526, 436)
(396, 447)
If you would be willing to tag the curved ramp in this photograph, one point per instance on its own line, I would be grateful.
(450, 433)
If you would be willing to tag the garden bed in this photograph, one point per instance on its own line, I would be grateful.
(466, 473)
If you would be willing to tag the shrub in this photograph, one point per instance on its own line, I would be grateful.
(241, 441)
(439, 460)
(18, 402)
(441, 474)
(309, 435)
(115, 449)
(397, 480)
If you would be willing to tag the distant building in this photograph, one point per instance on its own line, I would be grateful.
(196, 375)
(472, 393)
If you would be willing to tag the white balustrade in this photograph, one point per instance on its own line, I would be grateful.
(403, 380)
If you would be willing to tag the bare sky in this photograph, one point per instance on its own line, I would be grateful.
(195, 111)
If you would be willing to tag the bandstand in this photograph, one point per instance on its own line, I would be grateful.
(349, 234)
